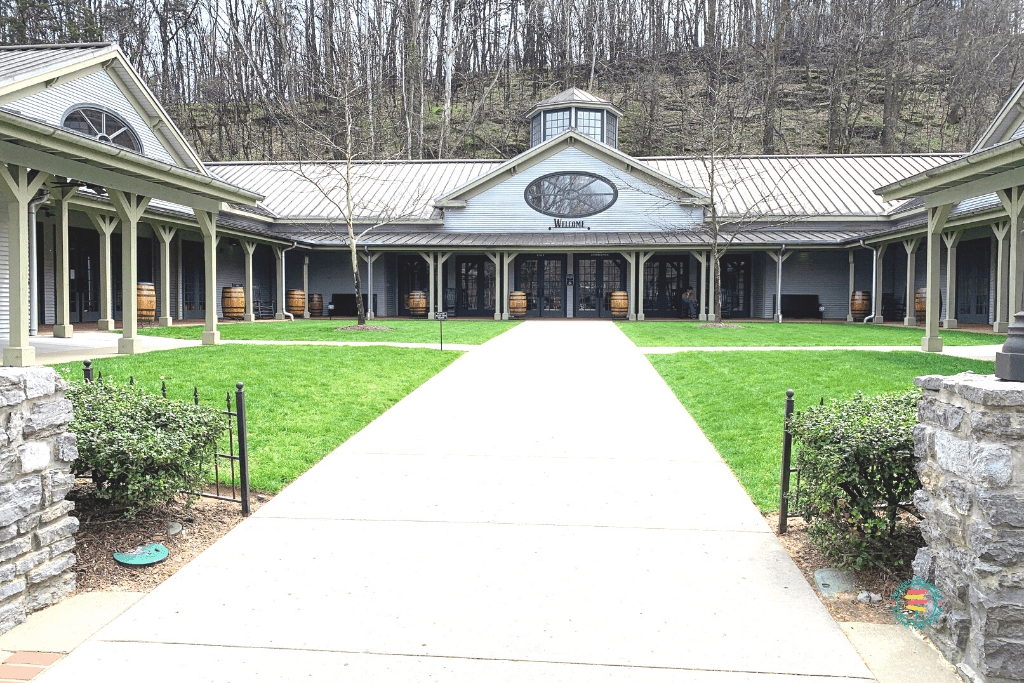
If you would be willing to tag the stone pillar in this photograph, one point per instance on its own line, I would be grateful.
(969, 442)
(35, 474)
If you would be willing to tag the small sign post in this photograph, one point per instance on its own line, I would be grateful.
(440, 317)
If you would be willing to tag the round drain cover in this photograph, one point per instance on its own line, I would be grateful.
(144, 555)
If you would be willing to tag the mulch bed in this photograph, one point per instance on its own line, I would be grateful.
(363, 328)
(102, 533)
(842, 606)
(721, 326)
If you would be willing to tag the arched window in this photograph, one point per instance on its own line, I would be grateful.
(102, 125)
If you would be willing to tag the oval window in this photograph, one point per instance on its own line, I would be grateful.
(102, 125)
(572, 194)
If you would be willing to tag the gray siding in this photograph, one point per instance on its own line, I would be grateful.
(825, 273)
(97, 88)
(503, 208)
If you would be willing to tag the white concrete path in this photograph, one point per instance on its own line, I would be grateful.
(542, 510)
(984, 352)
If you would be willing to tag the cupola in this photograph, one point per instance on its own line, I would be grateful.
(574, 108)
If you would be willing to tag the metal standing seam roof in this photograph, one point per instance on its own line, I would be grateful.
(784, 187)
(410, 239)
(18, 62)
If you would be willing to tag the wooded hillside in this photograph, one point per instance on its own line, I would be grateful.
(268, 79)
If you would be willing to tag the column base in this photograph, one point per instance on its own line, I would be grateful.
(878, 320)
(702, 316)
(1000, 327)
(211, 338)
(712, 318)
(249, 318)
(504, 316)
(640, 316)
(631, 316)
(931, 344)
(949, 324)
(105, 324)
(19, 356)
(849, 318)
(64, 331)
(165, 321)
(910, 321)
(305, 315)
(130, 345)
(279, 316)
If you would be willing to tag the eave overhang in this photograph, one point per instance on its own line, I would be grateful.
(66, 154)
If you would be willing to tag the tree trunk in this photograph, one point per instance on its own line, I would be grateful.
(356, 280)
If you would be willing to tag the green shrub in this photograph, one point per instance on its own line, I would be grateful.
(141, 449)
(856, 461)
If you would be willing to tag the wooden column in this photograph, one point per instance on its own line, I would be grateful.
(849, 314)
(428, 256)
(165, 233)
(1013, 202)
(495, 257)
(248, 248)
(369, 257)
(644, 256)
(441, 258)
(130, 207)
(779, 259)
(1001, 319)
(62, 309)
(876, 286)
(279, 267)
(508, 258)
(910, 246)
(703, 284)
(951, 240)
(631, 259)
(305, 286)
(105, 225)
(208, 224)
(936, 221)
(18, 185)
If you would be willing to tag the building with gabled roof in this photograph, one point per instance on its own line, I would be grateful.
(118, 201)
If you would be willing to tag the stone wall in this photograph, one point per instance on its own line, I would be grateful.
(36, 452)
(969, 442)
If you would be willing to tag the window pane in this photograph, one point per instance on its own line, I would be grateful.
(103, 126)
(589, 123)
(555, 123)
(611, 132)
(535, 130)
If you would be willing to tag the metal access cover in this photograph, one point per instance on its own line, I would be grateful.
(832, 581)
(144, 555)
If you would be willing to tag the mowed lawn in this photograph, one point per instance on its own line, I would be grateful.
(414, 331)
(301, 401)
(738, 397)
(688, 333)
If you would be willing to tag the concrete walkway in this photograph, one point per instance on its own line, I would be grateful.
(91, 345)
(985, 352)
(570, 523)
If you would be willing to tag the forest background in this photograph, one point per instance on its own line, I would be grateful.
(425, 79)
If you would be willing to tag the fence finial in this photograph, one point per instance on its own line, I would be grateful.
(163, 389)
(87, 370)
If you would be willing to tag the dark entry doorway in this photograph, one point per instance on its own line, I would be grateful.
(193, 280)
(84, 275)
(412, 277)
(597, 276)
(475, 284)
(736, 286)
(666, 279)
(542, 278)
(972, 281)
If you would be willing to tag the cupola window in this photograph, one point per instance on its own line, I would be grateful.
(104, 126)
(588, 122)
(555, 123)
(572, 194)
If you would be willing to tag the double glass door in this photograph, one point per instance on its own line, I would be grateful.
(84, 275)
(666, 279)
(475, 284)
(596, 278)
(736, 286)
(542, 278)
(972, 281)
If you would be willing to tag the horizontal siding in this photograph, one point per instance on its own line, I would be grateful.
(639, 207)
(97, 88)
(825, 273)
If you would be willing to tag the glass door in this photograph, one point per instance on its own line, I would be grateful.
(666, 280)
(193, 280)
(736, 286)
(475, 283)
(972, 274)
(542, 279)
(84, 275)
(588, 298)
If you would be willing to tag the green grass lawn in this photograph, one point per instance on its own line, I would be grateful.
(673, 333)
(738, 397)
(301, 401)
(417, 331)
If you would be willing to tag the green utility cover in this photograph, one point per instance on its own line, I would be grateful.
(142, 556)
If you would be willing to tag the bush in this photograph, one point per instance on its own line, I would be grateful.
(856, 461)
(141, 449)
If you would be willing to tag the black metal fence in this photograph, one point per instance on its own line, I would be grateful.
(237, 454)
(788, 491)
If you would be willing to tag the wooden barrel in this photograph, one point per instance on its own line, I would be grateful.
(620, 304)
(146, 297)
(316, 304)
(860, 305)
(517, 304)
(920, 303)
(295, 302)
(232, 302)
(418, 302)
